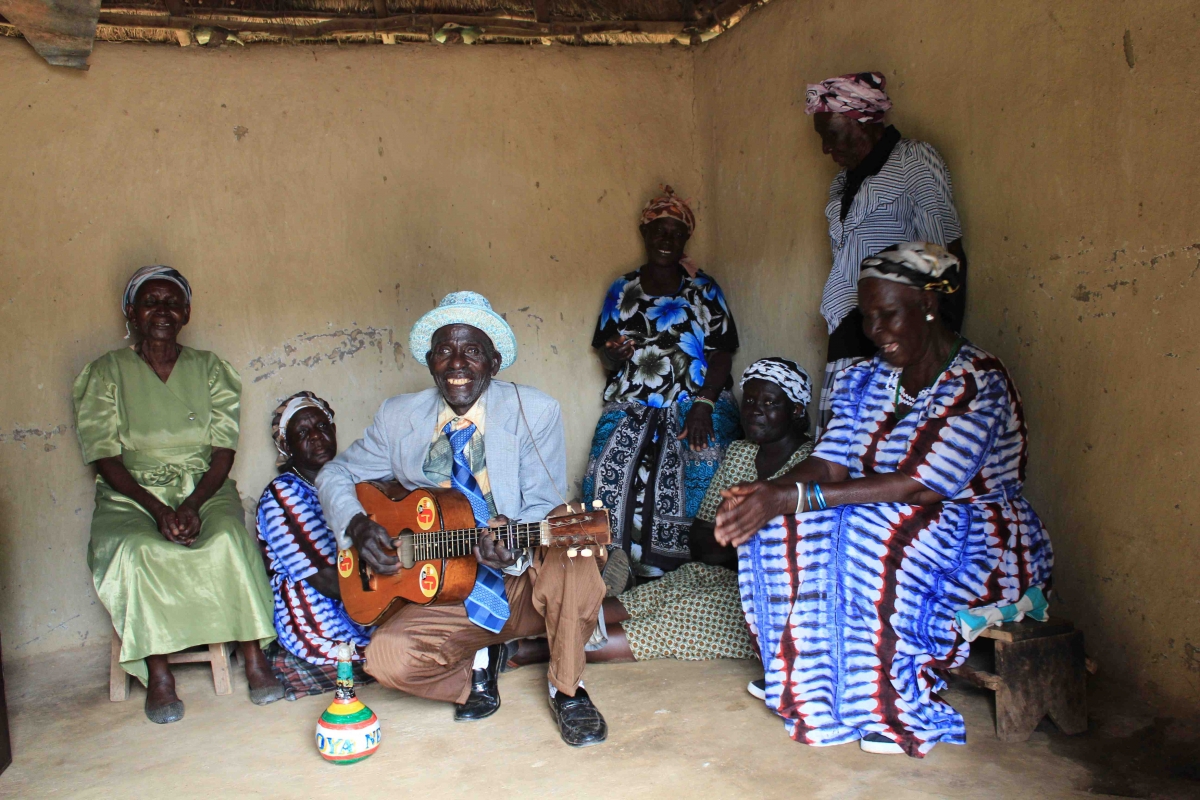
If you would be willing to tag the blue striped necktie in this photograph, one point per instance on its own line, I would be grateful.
(487, 605)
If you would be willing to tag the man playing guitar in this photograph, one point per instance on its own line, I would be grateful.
(504, 449)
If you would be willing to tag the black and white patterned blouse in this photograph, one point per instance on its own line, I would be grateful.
(672, 336)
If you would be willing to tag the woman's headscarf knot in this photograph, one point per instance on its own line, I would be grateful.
(784, 373)
(859, 95)
(283, 415)
(923, 265)
(669, 204)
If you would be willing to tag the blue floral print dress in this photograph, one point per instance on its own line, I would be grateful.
(650, 479)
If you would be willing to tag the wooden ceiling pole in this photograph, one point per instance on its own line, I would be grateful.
(176, 9)
(381, 12)
(416, 23)
(541, 10)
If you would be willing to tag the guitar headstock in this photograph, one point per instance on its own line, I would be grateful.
(580, 529)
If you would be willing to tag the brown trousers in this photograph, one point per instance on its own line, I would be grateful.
(428, 651)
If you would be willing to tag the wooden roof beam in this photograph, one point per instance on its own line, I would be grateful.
(416, 23)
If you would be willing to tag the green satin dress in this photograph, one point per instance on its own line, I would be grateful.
(164, 597)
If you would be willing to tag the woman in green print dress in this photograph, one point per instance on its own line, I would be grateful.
(169, 551)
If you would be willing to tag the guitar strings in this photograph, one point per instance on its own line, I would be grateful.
(461, 541)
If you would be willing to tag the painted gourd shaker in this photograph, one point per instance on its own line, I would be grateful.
(348, 731)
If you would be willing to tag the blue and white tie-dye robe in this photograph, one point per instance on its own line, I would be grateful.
(297, 543)
(854, 606)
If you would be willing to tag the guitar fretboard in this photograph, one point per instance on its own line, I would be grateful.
(461, 542)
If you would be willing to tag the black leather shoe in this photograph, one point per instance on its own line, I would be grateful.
(579, 722)
(485, 689)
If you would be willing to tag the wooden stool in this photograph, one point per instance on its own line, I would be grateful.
(217, 655)
(1037, 669)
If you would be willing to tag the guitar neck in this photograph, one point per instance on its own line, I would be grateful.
(462, 541)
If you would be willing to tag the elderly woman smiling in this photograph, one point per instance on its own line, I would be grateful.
(909, 510)
(667, 339)
(301, 551)
(169, 551)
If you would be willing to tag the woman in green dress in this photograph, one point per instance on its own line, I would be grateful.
(169, 551)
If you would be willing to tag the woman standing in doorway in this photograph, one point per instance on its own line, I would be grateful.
(666, 338)
(889, 190)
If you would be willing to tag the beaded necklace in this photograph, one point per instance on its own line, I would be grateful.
(296, 472)
(903, 398)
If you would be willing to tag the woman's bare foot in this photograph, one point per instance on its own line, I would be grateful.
(162, 703)
(264, 686)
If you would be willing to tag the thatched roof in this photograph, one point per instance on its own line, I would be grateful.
(59, 29)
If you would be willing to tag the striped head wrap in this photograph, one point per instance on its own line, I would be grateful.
(669, 204)
(923, 265)
(155, 272)
(859, 95)
(784, 373)
(283, 415)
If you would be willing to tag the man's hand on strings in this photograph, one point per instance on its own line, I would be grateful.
(489, 551)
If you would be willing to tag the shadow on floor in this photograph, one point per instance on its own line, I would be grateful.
(1127, 751)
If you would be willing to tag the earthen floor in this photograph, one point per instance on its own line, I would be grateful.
(682, 730)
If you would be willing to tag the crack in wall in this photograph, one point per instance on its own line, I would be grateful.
(25, 435)
(309, 350)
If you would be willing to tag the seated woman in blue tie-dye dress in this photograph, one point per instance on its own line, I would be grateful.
(854, 565)
(301, 550)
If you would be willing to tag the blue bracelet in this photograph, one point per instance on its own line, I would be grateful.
(820, 496)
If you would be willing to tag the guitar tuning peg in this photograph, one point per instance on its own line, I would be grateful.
(597, 504)
(586, 552)
(572, 552)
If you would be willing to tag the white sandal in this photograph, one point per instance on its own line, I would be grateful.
(880, 744)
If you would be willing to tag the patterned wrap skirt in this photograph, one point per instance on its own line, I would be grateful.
(629, 434)
(692, 614)
(853, 608)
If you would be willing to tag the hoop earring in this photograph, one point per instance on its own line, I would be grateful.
(929, 317)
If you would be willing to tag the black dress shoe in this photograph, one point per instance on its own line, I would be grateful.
(485, 689)
(579, 722)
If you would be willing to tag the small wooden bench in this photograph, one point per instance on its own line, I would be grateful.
(1036, 669)
(216, 655)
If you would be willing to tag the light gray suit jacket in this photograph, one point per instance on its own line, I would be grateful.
(396, 443)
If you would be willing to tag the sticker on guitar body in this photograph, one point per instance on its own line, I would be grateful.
(428, 580)
(426, 515)
(345, 563)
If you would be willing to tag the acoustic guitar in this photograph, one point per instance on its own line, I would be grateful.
(434, 535)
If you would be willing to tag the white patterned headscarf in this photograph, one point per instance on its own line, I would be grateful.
(923, 265)
(784, 373)
(859, 95)
(283, 415)
(154, 272)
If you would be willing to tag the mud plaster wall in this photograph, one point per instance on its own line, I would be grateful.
(320, 200)
(1070, 134)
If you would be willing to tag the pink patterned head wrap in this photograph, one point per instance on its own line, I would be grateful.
(668, 204)
(859, 95)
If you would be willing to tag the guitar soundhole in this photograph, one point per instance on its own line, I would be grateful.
(365, 576)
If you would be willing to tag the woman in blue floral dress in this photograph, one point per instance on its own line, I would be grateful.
(667, 339)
